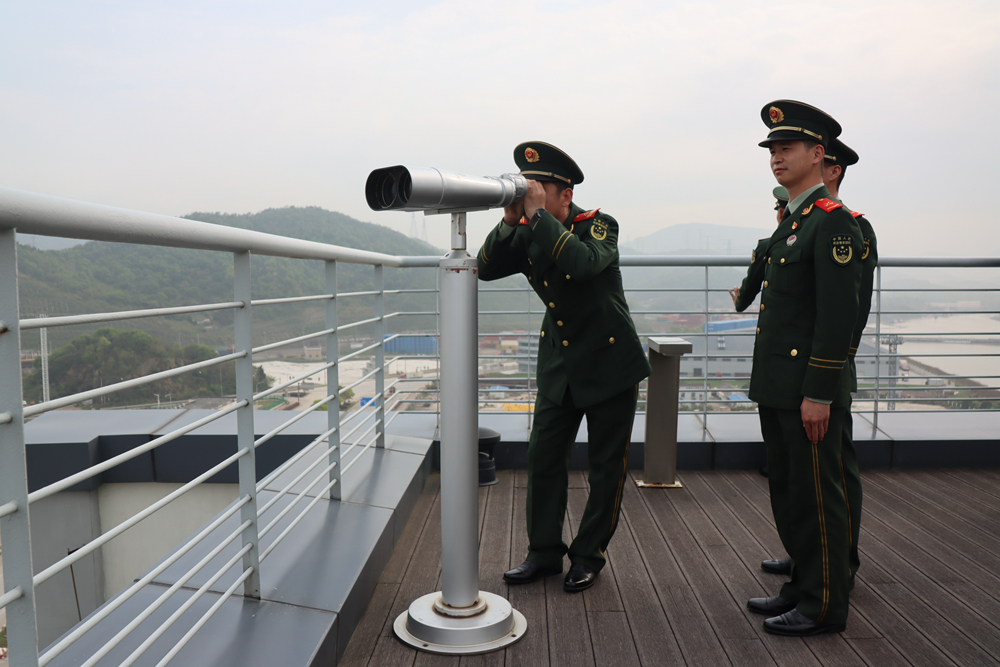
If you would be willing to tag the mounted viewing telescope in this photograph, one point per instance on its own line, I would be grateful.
(433, 191)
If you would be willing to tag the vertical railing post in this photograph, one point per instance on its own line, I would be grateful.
(15, 528)
(244, 420)
(704, 405)
(333, 379)
(380, 355)
(878, 339)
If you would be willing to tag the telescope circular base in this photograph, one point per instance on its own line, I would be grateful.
(426, 629)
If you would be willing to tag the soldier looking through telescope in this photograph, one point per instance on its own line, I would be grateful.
(590, 360)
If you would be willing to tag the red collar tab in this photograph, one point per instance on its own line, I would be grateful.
(586, 216)
(828, 204)
(856, 214)
(522, 221)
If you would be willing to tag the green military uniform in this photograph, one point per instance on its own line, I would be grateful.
(590, 362)
(755, 274)
(808, 312)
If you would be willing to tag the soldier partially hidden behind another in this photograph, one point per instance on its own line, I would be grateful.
(590, 360)
(808, 311)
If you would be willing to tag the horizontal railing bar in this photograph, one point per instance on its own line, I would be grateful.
(6, 418)
(8, 508)
(204, 618)
(33, 213)
(298, 478)
(125, 595)
(343, 440)
(91, 546)
(361, 351)
(941, 289)
(358, 323)
(183, 608)
(363, 378)
(11, 596)
(67, 482)
(341, 295)
(301, 415)
(288, 383)
(292, 299)
(67, 320)
(289, 341)
(363, 449)
(319, 478)
(294, 523)
(939, 312)
(38, 409)
(293, 460)
(410, 291)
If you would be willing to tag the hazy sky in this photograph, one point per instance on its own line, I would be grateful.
(238, 106)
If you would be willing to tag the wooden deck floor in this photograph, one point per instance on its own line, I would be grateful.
(684, 561)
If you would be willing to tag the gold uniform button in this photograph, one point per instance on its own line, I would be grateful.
(568, 277)
(758, 329)
(543, 334)
(765, 283)
(795, 353)
(768, 260)
(782, 260)
(612, 340)
(762, 306)
(551, 305)
(565, 343)
(529, 277)
(545, 282)
(559, 322)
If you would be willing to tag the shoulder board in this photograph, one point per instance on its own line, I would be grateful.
(586, 216)
(828, 204)
(856, 214)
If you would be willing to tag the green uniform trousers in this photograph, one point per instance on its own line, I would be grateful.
(810, 511)
(852, 489)
(609, 429)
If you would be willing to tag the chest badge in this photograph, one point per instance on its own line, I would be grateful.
(842, 248)
(795, 225)
(791, 240)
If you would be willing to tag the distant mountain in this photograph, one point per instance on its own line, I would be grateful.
(47, 242)
(697, 238)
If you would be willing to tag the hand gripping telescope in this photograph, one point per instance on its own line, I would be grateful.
(433, 191)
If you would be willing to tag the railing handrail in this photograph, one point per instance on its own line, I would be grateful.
(46, 215)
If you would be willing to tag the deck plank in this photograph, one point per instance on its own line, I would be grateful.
(683, 561)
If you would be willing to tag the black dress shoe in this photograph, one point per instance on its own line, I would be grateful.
(579, 578)
(770, 606)
(777, 565)
(527, 572)
(794, 624)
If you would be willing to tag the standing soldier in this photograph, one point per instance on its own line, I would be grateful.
(808, 311)
(590, 360)
(744, 295)
(838, 158)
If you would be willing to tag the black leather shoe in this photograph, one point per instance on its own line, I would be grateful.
(777, 565)
(579, 578)
(770, 606)
(794, 624)
(527, 572)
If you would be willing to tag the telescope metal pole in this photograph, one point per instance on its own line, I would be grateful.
(461, 619)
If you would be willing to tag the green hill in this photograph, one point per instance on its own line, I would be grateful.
(102, 277)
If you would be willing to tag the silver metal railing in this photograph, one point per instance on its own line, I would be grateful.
(348, 436)
(37, 214)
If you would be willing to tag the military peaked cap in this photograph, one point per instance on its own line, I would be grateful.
(780, 196)
(539, 161)
(840, 153)
(788, 120)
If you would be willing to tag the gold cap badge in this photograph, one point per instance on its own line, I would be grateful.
(776, 115)
(530, 154)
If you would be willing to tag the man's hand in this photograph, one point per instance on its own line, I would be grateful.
(512, 214)
(735, 293)
(534, 200)
(815, 419)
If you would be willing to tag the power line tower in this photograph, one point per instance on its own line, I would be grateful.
(423, 235)
(413, 226)
(45, 362)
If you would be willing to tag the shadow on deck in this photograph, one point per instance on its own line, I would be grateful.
(684, 561)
